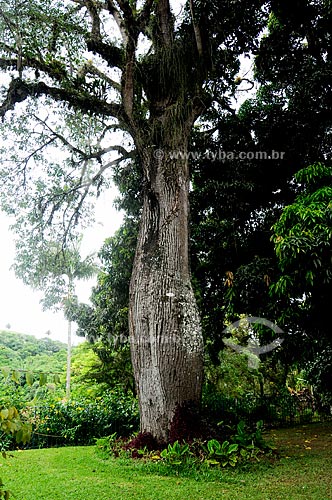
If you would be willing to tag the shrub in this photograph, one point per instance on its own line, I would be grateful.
(221, 453)
(176, 453)
(243, 447)
(143, 441)
(80, 422)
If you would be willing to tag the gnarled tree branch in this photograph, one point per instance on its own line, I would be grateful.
(197, 31)
(144, 16)
(110, 6)
(111, 54)
(166, 24)
(90, 69)
(19, 91)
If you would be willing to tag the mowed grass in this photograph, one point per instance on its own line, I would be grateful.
(303, 471)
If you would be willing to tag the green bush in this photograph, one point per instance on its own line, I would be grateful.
(276, 410)
(176, 453)
(80, 422)
(221, 453)
(244, 446)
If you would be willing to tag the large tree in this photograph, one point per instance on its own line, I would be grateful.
(302, 238)
(235, 202)
(134, 66)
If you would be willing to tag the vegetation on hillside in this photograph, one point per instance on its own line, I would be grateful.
(26, 352)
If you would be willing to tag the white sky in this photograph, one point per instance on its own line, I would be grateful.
(19, 304)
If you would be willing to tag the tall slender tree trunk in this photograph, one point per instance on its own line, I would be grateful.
(68, 373)
(165, 331)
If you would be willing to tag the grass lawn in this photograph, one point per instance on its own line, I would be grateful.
(304, 471)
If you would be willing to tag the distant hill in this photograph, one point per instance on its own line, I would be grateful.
(26, 352)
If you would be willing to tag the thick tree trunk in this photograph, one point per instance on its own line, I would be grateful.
(165, 332)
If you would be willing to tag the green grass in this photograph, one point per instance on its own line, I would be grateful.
(303, 471)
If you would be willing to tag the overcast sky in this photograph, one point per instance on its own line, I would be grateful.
(19, 305)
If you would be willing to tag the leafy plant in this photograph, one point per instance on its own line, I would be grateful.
(221, 453)
(80, 422)
(189, 455)
(5, 442)
(245, 437)
(176, 453)
(11, 424)
(111, 446)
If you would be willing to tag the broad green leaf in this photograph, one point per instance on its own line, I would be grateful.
(42, 379)
(4, 413)
(29, 378)
(212, 462)
(24, 434)
(16, 376)
(225, 445)
(233, 447)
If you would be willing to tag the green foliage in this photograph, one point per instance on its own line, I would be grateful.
(286, 407)
(17, 350)
(221, 454)
(80, 422)
(12, 425)
(105, 323)
(176, 453)
(303, 234)
(87, 372)
(231, 376)
(110, 446)
(319, 374)
(302, 239)
(29, 368)
(235, 203)
(242, 448)
(246, 438)
(47, 266)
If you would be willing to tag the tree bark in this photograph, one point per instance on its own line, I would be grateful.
(68, 370)
(165, 332)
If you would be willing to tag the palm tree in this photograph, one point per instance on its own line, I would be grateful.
(74, 269)
(47, 266)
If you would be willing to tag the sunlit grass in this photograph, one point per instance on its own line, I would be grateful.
(304, 471)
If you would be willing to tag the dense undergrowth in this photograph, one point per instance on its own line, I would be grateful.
(244, 445)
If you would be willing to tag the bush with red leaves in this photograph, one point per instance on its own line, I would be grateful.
(143, 440)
